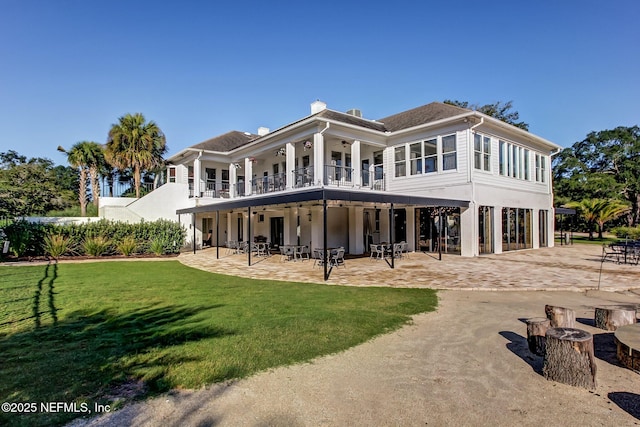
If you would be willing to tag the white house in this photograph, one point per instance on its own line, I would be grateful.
(439, 177)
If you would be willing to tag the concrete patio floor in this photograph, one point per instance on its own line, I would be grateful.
(561, 268)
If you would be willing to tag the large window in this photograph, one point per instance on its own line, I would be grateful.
(482, 152)
(449, 157)
(516, 229)
(543, 228)
(485, 222)
(400, 161)
(514, 161)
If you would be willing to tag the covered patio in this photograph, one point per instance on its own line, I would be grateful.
(320, 200)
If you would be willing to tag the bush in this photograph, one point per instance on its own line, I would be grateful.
(56, 245)
(127, 246)
(632, 233)
(97, 246)
(28, 239)
(157, 247)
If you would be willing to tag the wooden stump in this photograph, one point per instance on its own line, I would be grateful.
(569, 357)
(560, 317)
(536, 330)
(627, 340)
(611, 318)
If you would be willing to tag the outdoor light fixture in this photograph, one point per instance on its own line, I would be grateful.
(281, 152)
(237, 165)
(309, 215)
(307, 145)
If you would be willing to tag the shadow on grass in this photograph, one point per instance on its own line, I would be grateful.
(88, 355)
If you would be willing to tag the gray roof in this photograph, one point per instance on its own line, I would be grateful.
(406, 119)
(421, 115)
(227, 141)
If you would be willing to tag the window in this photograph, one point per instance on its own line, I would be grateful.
(516, 229)
(172, 174)
(449, 160)
(501, 157)
(400, 161)
(415, 156)
(482, 152)
(541, 168)
(431, 155)
(527, 173)
(305, 161)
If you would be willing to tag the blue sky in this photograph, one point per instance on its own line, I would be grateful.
(69, 69)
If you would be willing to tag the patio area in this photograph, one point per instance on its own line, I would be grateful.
(561, 268)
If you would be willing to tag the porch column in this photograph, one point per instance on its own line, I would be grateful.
(356, 175)
(318, 159)
(356, 230)
(411, 227)
(290, 226)
(469, 236)
(197, 172)
(535, 228)
(248, 174)
(290, 165)
(497, 230)
(233, 179)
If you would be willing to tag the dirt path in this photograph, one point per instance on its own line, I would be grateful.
(465, 364)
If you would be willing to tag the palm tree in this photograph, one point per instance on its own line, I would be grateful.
(77, 158)
(94, 155)
(589, 209)
(610, 211)
(134, 143)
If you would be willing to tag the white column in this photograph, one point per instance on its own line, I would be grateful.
(469, 230)
(248, 175)
(290, 165)
(290, 226)
(497, 229)
(318, 159)
(356, 176)
(197, 186)
(316, 228)
(233, 179)
(411, 227)
(356, 230)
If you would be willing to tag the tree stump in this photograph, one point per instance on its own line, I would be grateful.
(536, 330)
(569, 357)
(560, 317)
(627, 340)
(611, 318)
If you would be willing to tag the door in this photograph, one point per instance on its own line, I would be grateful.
(400, 225)
(277, 231)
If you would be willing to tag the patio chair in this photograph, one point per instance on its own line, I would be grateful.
(232, 246)
(377, 251)
(612, 251)
(337, 258)
(318, 257)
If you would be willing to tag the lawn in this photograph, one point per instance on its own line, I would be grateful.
(111, 332)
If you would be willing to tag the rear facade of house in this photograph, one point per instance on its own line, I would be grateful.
(438, 177)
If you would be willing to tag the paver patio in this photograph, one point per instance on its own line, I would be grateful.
(567, 268)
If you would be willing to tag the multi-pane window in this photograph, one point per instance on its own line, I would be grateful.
(400, 161)
(515, 161)
(431, 155)
(541, 168)
(449, 158)
(415, 157)
(482, 152)
(172, 174)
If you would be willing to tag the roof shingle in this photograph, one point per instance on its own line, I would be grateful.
(226, 142)
(421, 115)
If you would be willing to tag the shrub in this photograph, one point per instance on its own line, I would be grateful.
(56, 245)
(127, 246)
(97, 246)
(157, 247)
(626, 232)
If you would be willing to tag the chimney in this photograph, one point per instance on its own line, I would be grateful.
(355, 112)
(317, 106)
(262, 131)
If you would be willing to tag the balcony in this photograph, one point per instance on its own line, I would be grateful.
(269, 184)
(115, 188)
(303, 177)
(212, 189)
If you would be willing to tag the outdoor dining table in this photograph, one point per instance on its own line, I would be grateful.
(629, 252)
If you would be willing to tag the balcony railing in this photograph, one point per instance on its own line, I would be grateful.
(338, 175)
(110, 188)
(269, 184)
(374, 180)
(303, 177)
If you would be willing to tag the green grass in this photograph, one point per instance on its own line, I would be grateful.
(85, 332)
(595, 241)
